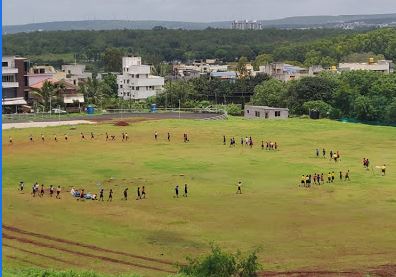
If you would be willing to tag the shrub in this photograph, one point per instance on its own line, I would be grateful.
(222, 264)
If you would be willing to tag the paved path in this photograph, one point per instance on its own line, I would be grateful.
(43, 124)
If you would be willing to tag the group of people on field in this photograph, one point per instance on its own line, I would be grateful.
(333, 155)
(39, 191)
(319, 179)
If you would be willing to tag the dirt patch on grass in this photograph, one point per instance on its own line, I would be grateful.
(91, 247)
(82, 254)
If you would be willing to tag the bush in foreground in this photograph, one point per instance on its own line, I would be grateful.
(222, 264)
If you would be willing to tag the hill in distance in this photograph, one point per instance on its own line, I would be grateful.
(325, 21)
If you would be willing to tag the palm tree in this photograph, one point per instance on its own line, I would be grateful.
(48, 95)
(92, 91)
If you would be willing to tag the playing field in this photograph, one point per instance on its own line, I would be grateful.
(344, 226)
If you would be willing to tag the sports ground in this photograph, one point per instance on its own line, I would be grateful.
(346, 226)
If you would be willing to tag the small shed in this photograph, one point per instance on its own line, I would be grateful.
(265, 112)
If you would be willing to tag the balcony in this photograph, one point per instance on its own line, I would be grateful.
(9, 70)
(10, 84)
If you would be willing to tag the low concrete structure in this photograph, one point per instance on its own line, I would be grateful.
(264, 112)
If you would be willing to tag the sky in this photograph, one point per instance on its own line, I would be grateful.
(35, 11)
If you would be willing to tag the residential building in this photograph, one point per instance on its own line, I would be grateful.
(383, 66)
(283, 71)
(246, 25)
(75, 73)
(264, 112)
(38, 73)
(228, 75)
(136, 82)
(69, 95)
(15, 84)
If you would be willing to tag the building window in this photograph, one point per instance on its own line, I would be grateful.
(127, 81)
(8, 78)
(120, 86)
(247, 111)
(137, 88)
(5, 64)
(257, 113)
(26, 81)
(277, 113)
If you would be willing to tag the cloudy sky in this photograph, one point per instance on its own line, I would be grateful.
(34, 11)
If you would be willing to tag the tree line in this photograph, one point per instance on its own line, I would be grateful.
(102, 48)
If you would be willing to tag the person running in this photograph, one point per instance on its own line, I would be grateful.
(324, 153)
(42, 138)
(177, 191)
(92, 135)
(308, 180)
(101, 194)
(51, 190)
(107, 136)
(322, 178)
(341, 176)
(276, 146)
(110, 196)
(329, 177)
(126, 194)
(347, 175)
(314, 179)
(58, 191)
(66, 137)
(113, 137)
(367, 164)
(239, 185)
(126, 136)
(262, 145)
(138, 194)
(31, 138)
(156, 135)
(10, 140)
(82, 135)
(42, 190)
(331, 154)
(21, 185)
(383, 169)
(242, 141)
(55, 139)
(224, 140)
(168, 136)
(123, 136)
(317, 153)
(332, 176)
(143, 192)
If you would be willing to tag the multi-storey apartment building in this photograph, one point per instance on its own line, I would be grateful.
(15, 83)
(246, 25)
(136, 82)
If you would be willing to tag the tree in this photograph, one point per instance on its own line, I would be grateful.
(109, 85)
(93, 91)
(269, 93)
(113, 59)
(391, 112)
(319, 105)
(241, 67)
(262, 59)
(48, 95)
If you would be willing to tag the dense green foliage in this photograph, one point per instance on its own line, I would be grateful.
(307, 47)
(222, 264)
(361, 95)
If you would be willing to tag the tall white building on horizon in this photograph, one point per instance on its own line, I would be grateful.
(136, 82)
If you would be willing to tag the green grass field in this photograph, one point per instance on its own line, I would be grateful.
(340, 227)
